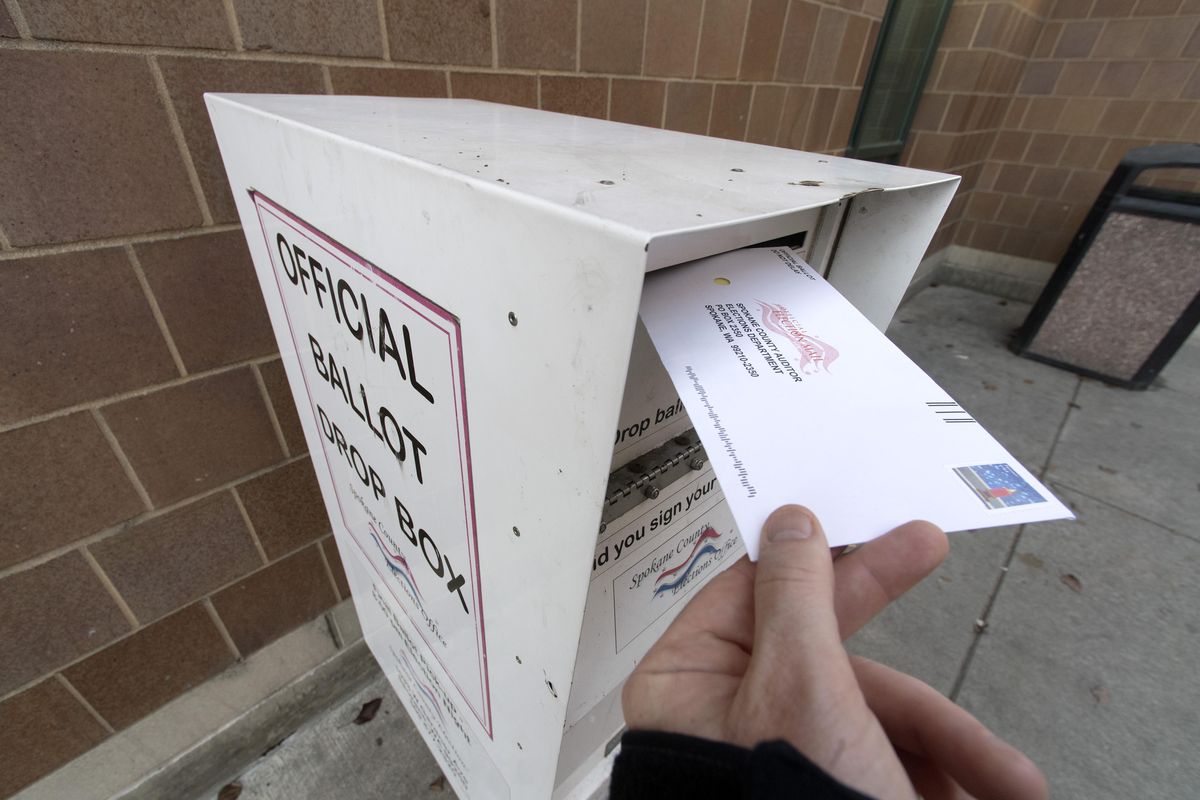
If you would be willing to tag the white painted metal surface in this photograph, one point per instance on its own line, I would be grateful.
(511, 245)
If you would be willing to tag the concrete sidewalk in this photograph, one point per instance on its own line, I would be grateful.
(1078, 642)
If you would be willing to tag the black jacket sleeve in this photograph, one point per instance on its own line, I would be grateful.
(664, 766)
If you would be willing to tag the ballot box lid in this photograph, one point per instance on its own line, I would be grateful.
(649, 181)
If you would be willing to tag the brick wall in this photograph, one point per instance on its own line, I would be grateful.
(1035, 102)
(159, 518)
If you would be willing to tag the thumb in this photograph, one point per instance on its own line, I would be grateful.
(793, 590)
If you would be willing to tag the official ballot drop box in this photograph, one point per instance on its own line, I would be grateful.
(517, 494)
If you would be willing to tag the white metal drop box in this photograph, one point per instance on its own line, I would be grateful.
(518, 497)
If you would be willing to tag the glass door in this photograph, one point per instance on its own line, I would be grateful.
(908, 40)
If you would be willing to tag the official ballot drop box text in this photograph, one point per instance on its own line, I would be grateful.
(518, 497)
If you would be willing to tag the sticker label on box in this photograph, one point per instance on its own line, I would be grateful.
(383, 374)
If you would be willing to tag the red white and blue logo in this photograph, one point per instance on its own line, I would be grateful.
(398, 564)
(670, 580)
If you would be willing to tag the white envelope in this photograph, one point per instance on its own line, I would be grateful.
(799, 399)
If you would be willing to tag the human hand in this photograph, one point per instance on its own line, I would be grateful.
(757, 655)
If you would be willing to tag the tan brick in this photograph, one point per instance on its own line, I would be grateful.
(994, 109)
(688, 106)
(88, 154)
(8, 29)
(874, 8)
(1079, 78)
(330, 548)
(721, 38)
(1116, 150)
(1025, 35)
(1047, 182)
(1192, 90)
(933, 151)
(274, 600)
(764, 28)
(513, 90)
(171, 560)
(1165, 38)
(864, 64)
(53, 614)
(1046, 148)
(440, 31)
(328, 27)
(1081, 114)
(1164, 80)
(1070, 9)
(208, 294)
(984, 205)
(1166, 119)
(195, 436)
(993, 26)
(988, 236)
(638, 102)
(1019, 241)
(1122, 117)
(1078, 39)
(538, 34)
(964, 231)
(585, 97)
(1001, 73)
(41, 729)
(930, 109)
(963, 71)
(77, 328)
(280, 394)
(1083, 152)
(731, 111)
(1192, 48)
(1040, 77)
(831, 30)
(1119, 78)
(1047, 40)
(843, 118)
(189, 78)
(388, 82)
(285, 508)
(824, 106)
(850, 56)
(127, 680)
(1042, 113)
(1155, 8)
(672, 33)
(39, 466)
(611, 36)
(1084, 186)
(1013, 178)
(1015, 111)
(796, 118)
(796, 45)
(1106, 9)
(961, 25)
(765, 112)
(174, 23)
(1120, 38)
(1010, 145)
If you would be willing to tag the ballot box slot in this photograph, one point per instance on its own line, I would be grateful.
(644, 477)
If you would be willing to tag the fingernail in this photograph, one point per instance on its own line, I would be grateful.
(796, 527)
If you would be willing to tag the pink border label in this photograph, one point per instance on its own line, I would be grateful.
(446, 323)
